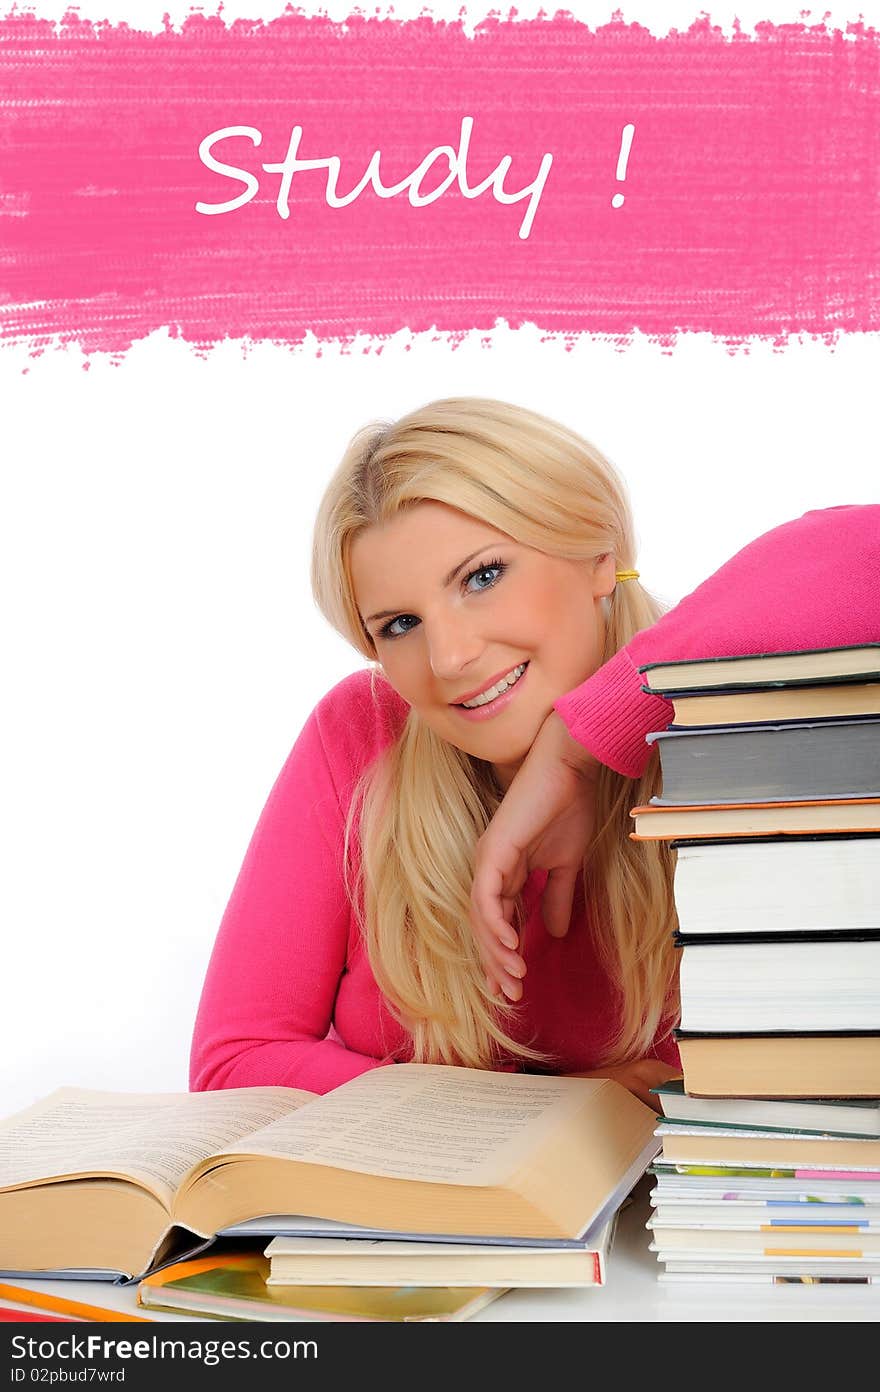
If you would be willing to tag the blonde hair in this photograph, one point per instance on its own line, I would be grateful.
(421, 807)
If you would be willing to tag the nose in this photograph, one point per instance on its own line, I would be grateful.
(452, 646)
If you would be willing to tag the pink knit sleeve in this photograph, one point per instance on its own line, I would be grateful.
(811, 583)
(268, 998)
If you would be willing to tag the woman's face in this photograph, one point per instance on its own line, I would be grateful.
(477, 632)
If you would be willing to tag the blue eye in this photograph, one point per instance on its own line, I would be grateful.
(485, 577)
(396, 628)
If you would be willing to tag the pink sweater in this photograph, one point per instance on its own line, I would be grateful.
(289, 997)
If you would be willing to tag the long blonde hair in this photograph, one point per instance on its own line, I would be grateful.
(421, 807)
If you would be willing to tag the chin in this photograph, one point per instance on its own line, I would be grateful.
(508, 753)
(493, 748)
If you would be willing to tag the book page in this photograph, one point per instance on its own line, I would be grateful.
(428, 1122)
(151, 1137)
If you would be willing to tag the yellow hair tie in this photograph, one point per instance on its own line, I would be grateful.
(626, 575)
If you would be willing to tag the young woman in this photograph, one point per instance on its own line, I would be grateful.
(481, 559)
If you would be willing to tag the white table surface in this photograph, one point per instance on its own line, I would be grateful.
(632, 1293)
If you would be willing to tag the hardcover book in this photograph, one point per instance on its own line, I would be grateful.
(777, 1271)
(771, 1213)
(808, 1064)
(770, 763)
(836, 1115)
(656, 822)
(711, 1146)
(797, 884)
(815, 982)
(335, 1261)
(766, 1242)
(857, 662)
(772, 704)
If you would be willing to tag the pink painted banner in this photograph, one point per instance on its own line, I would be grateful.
(264, 180)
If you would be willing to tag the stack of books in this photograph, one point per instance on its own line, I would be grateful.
(771, 798)
(314, 1269)
(428, 1190)
(782, 1201)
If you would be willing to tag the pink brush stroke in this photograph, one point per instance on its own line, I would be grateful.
(751, 191)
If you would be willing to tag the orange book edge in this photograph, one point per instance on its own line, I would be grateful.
(652, 810)
(178, 1270)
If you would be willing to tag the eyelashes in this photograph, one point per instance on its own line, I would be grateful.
(480, 570)
(386, 631)
(484, 568)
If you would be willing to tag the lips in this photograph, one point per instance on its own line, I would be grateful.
(491, 691)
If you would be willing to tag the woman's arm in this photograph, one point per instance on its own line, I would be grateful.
(268, 999)
(811, 583)
(638, 1077)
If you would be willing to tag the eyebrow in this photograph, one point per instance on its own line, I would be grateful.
(448, 579)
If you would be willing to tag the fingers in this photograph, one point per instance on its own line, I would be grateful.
(655, 1071)
(644, 1094)
(645, 1074)
(640, 1088)
(498, 878)
(503, 967)
(507, 934)
(493, 901)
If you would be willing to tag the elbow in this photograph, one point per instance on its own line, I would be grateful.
(206, 1073)
(239, 1063)
(217, 1062)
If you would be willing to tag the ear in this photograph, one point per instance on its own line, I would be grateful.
(604, 568)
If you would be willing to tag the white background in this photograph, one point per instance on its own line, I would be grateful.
(160, 646)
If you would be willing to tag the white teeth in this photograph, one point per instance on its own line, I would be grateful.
(486, 696)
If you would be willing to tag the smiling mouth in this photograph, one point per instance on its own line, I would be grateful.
(487, 697)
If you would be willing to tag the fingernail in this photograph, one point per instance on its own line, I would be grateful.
(510, 940)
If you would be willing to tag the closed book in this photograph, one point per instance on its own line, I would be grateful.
(119, 1184)
(795, 1270)
(773, 704)
(783, 1184)
(806, 1064)
(815, 982)
(711, 1147)
(770, 763)
(382, 1261)
(840, 1116)
(654, 821)
(809, 666)
(795, 884)
(736, 1214)
(770, 1242)
(233, 1287)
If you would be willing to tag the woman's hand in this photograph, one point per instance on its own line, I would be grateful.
(639, 1076)
(543, 823)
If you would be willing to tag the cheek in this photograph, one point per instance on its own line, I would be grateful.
(578, 639)
(405, 674)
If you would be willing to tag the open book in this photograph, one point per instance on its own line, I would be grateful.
(117, 1184)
